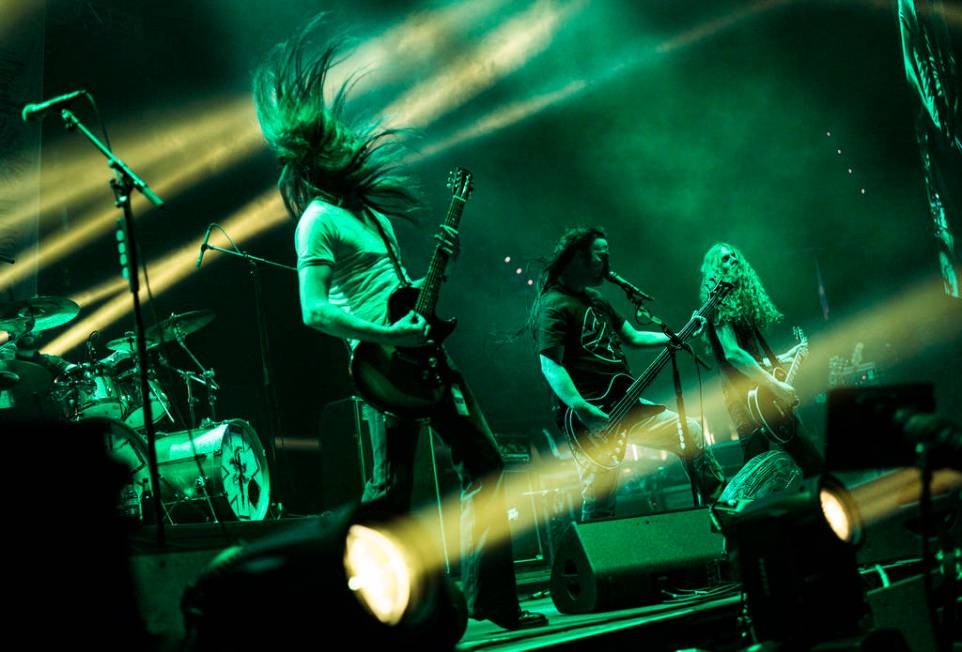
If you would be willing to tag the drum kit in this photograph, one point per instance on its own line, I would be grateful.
(209, 471)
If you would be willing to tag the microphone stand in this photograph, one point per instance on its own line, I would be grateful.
(673, 346)
(264, 344)
(124, 183)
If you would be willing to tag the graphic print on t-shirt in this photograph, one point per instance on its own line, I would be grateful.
(597, 338)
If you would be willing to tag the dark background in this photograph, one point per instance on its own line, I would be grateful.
(720, 138)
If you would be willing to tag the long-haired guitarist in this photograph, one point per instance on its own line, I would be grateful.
(339, 179)
(579, 337)
(747, 363)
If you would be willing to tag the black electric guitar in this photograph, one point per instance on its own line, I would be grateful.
(766, 412)
(405, 381)
(621, 400)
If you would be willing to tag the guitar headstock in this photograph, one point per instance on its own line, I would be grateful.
(460, 183)
(802, 341)
(721, 289)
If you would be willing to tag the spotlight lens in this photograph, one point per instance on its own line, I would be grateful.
(378, 573)
(837, 514)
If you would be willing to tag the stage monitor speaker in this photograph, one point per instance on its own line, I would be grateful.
(618, 563)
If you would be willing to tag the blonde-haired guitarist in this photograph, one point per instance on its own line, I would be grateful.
(755, 395)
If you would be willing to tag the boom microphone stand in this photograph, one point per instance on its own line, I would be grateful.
(124, 183)
(264, 344)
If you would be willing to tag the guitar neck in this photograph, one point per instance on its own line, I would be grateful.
(793, 370)
(428, 296)
(634, 392)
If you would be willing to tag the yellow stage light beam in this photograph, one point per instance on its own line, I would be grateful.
(260, 215)
(518, 111)
(422, 39)
(80, 175)
(218, 155)
(883, 496)
(500, 53)
(499, 119)
(712, 27)
(15, 13)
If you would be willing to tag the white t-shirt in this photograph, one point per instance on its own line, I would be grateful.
(363, 276)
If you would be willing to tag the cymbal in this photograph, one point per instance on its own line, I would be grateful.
(128, 344)
(180, 325)
(31, 377)
(165, 331)
(45, 312)
(31, 397)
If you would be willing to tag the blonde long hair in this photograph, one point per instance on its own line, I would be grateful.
(749, 304)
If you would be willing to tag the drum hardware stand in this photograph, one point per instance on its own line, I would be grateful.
(206, 377)
(123, 184)
(263, 342)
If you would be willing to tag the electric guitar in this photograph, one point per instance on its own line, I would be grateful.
(410, 381)
(621, 400)
(765, 411)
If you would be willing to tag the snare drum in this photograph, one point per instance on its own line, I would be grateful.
(90, 390)
(219, 470)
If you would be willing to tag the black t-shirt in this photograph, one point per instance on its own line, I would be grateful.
(587, 327)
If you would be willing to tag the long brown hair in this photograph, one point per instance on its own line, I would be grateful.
(571, 242)
(321, 153)
(748, 305)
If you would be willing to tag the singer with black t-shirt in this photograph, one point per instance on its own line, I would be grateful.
(579, 336)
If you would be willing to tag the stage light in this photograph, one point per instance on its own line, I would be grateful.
(838, 516)
(795, 554)
(379, 573)
(310, 576)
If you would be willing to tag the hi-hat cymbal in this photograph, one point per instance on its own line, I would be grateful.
(37, 314)
(127, 344)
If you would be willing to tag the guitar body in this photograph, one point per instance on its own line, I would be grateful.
(407, 382)
(605, 449)
(765, 412)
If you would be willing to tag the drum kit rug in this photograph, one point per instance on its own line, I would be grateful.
(214, 470)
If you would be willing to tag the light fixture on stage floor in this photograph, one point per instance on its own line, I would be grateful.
(795, 553)
(344, 576)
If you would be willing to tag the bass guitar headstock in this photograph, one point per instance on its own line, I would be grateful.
(460, 183)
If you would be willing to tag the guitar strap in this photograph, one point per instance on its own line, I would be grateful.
(391, 252)
(772, 358)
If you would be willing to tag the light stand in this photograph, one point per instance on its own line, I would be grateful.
(124, 183)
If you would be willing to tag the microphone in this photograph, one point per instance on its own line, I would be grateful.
(203, 246)
(627, 286)
(34, 111)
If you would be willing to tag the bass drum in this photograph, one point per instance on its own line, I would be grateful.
(216, 472)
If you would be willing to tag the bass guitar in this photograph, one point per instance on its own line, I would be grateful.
(766, 412)
(405, 381)
(622, 399)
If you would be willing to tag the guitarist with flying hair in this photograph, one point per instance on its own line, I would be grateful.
(746, 362)
(341, 182)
